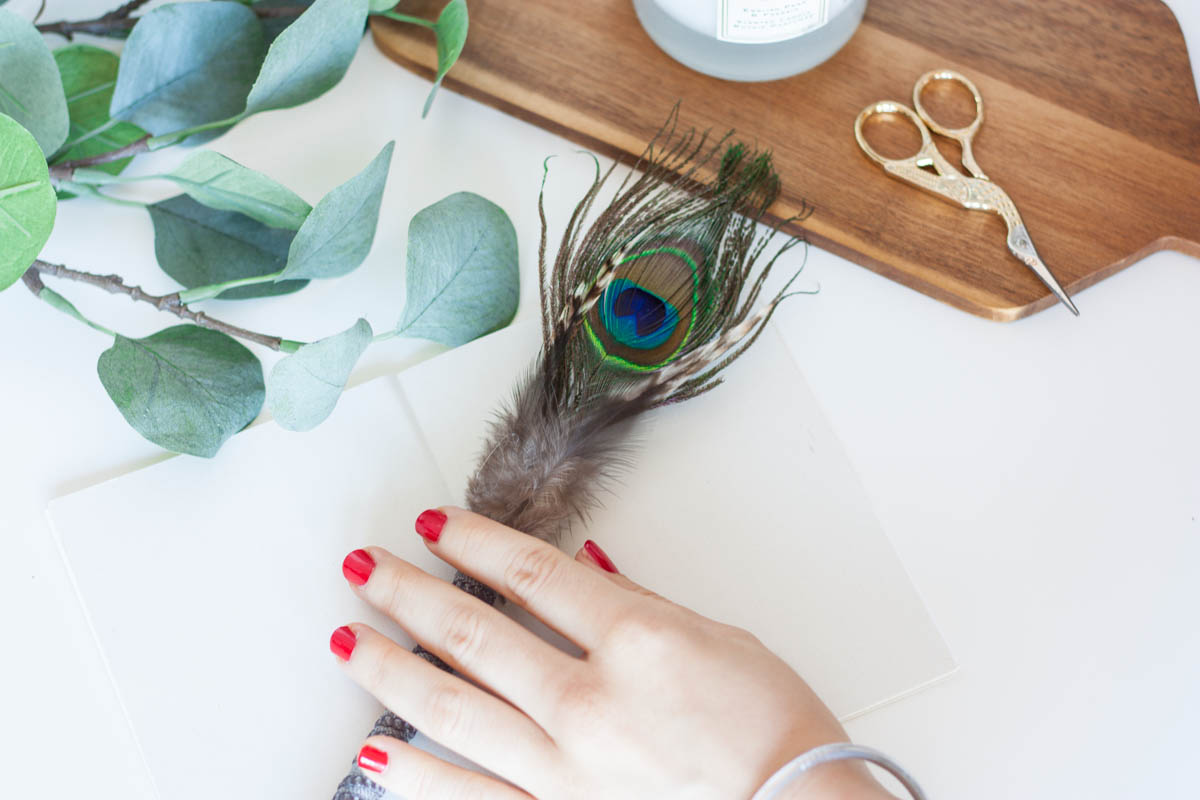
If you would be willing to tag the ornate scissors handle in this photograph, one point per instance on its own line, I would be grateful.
(949, 183)
(976, 192)
(963, 135)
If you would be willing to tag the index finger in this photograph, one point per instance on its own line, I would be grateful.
(570, 598)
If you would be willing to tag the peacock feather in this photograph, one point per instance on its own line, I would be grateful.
(641, 307)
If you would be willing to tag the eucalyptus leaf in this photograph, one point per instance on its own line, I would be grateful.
(188, 64)
(199, 246)
(27, 201)
(305, 386)
(89, 75)
(222, 183)
(310, 56)
(462, 279)
(56, 300)
(451, 30)
(337, 235)
(30, 90)
(185, 388)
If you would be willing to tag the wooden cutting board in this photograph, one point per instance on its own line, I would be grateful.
(1092, 126)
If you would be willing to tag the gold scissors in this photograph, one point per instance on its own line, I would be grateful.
(976, 192)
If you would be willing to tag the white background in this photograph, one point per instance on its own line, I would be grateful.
(1040, 480)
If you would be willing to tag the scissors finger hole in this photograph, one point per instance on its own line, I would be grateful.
(892, 135)
(949, 103)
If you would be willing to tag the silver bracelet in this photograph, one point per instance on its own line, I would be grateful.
(838, 751)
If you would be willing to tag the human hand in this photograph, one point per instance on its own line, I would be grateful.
(663, 703)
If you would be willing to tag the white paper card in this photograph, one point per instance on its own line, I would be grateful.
(741, 504)
(212, 586)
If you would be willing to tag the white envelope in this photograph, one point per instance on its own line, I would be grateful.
(212, 586)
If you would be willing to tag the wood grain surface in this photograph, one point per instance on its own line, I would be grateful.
(1092, 126)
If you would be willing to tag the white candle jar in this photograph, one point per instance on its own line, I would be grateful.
(750, 40)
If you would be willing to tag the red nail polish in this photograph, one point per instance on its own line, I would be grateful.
(358, 566)
(430, 524)
(372, 758)
(599, 556)
(342, 642)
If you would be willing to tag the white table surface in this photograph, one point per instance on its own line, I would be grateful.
(1040, 480)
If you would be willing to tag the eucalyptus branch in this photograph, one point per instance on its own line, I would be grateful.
(66, 170)
(112, 21)
(175, 137)
(170, 303)
(198, 293)
(33, 281)
(120, 20)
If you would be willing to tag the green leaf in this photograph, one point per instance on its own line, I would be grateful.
(310, 56)
(222, 183)
(462, 279)
(451, 30)
(30, 89)
(305, 386)
(188, 64)
(56, 300)
(199, 246)
(89, 75)
(338, 233)
(27, 201)
(185, 388)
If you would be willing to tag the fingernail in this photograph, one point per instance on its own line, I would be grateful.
(358, 566)
(342, 642)
(372, 758)
(599, 556)
(430, 524)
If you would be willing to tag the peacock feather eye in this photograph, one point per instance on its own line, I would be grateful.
(646, 313)
(637, 317)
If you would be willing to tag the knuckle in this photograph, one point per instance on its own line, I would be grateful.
(464, 630)
(449, 709)
(533, 568)
(469, 534)
(387, 665)
(740, 636)
(579, 704)
(391, 592)
(649, 637)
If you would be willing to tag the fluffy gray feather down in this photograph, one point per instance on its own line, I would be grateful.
(541, 466)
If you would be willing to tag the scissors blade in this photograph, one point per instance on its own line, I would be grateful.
(987, 195)
(1021, 246)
